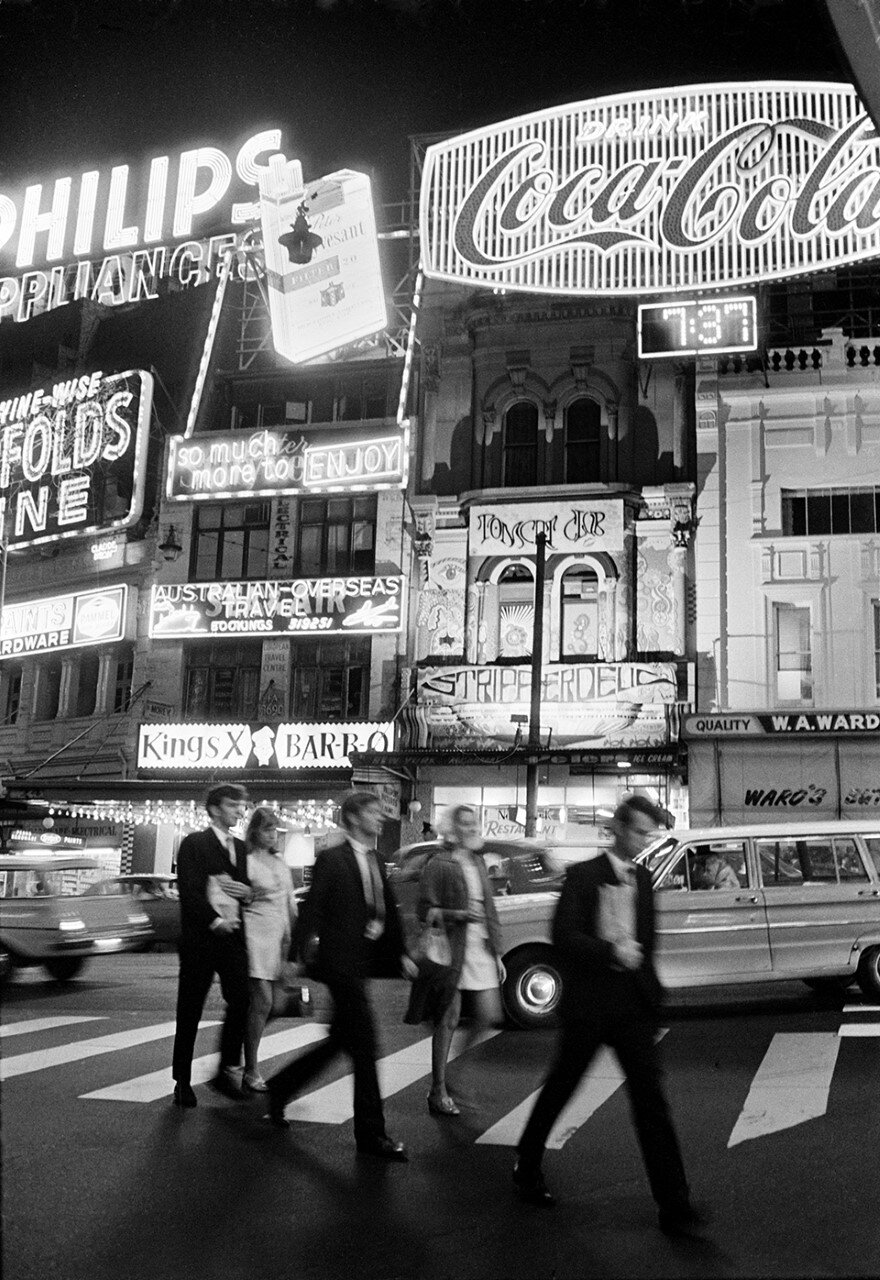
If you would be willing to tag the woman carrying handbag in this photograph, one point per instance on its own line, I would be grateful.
(454, 890)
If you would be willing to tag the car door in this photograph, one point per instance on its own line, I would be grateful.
(704, 932)
(820, 897)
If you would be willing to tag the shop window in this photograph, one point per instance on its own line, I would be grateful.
(223, 679)
(10, 693)
(583, 423)
(48, 689)
(792, 656)
(875, 618)
(336, 536)
(516, 611)
(331, 679)
(230, 541)
(579, 623)
(820, 511)
(521, 438)
(87, 684)
(351, 398)
(122, 680)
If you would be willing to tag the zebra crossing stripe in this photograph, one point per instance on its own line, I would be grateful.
(861, 1008)
(599, 1084)
(334, 1103)
(860, 1029)
(41, 1059)
(158, 1084)
(790, 1086)
(41, 1024)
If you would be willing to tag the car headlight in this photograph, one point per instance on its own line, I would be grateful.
(71, 926)
(138, 917)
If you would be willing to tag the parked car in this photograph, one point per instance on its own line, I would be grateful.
(46, 919)
(155, 894)
(803, 902)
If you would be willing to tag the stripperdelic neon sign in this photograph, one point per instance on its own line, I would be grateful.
(657, 191)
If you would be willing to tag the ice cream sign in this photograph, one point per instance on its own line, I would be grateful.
(283, 607)
(241, 746)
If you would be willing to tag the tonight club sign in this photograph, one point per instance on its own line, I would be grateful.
(662, 191)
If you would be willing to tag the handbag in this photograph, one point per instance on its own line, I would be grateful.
(433, 944)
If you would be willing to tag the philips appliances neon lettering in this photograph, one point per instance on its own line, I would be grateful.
(697, 326)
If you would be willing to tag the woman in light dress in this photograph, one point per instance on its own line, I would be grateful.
(268, 925)
(455, 885)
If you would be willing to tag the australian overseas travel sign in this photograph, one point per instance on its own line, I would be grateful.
(712, 185)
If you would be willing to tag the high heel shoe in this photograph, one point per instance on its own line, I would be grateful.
(442, 1106)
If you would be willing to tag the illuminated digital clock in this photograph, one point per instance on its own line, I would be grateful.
(697, 326)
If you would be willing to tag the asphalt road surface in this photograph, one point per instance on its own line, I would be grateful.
(776, 1100)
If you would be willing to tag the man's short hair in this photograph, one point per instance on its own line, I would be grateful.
(632, 805)
(225, 791)
(354, 804)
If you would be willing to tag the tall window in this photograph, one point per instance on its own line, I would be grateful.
(48, 689)
(583, 422)
(336, 535)
(223, 679)
(350, 398)
(230, 541)
(87, 684)
(813, 511)
(10, 693)
(122, 679)
(875, 607)
(331, 678)
(516, 612)
(794, 666)
(521, 444)
(579, 629)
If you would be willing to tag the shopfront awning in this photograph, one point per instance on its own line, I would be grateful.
(406, 761)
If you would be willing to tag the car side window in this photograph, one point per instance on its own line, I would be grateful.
(675, 876)
(717, 864)
(779, 863)
(848, 859)
(872, 844)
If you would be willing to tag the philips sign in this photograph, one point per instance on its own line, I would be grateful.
(658, 191)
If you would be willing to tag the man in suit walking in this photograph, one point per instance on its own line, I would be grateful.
(603, 932)
(212, 942)
(349, 930)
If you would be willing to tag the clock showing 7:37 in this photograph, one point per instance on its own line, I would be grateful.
(697, 326)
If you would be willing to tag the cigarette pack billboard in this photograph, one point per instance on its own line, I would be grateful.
(322, 261)
(72, 457)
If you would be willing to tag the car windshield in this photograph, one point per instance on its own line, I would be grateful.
(655, 854)
(47, 884)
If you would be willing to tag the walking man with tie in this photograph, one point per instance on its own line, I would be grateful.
(349, 930)
(212, 942)
(603, 932)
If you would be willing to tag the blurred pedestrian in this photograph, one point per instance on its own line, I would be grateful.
(212, 884)
(268, 925)
(455, 891)
(603, 931)
(350, 930)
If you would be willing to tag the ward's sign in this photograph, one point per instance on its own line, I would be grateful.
(659, 191)
(293, 607)
(72, 457)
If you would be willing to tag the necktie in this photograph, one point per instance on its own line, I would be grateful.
(376, 883)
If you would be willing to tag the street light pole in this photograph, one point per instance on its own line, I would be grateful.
(537, 675)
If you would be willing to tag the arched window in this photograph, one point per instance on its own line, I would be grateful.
(579, 624)
(516, 611)
(583, 422)
(521, 444)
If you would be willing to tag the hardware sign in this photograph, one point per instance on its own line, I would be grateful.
(63, 622)
(297, 607)
(657, 191)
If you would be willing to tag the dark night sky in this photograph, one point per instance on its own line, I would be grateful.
(92, 82)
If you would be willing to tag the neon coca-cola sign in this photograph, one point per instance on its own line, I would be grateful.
(660, 191)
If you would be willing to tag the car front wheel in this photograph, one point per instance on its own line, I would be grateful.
(869, 973)
(532, 987)
(64, 968)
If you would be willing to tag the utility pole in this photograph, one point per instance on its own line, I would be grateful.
(534, 746)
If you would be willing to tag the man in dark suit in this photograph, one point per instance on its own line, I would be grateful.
(603, 931)
(349, 931)
(212, 942)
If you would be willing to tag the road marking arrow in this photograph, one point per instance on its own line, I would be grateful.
(790, 1086)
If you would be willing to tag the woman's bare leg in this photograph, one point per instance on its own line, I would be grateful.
(258, 1012)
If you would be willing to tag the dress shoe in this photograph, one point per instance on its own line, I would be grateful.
(275, 1114)
(384, 1148)
(224, 1082)
(531, 1186)
(184, 1096)
(682, 1220)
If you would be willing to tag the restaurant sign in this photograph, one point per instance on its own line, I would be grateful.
(241, 746)
(568, 526)
(282, 460)
(665, 190)
(70, 621)
(293, 607)
(622, 704)
(72, 457)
